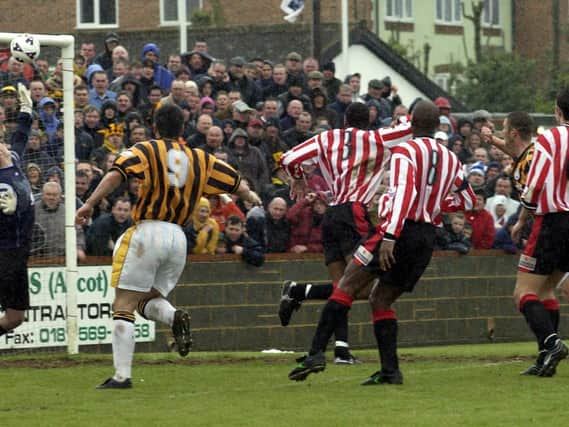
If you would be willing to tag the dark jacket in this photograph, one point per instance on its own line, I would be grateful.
(250, 93)
(274, 235)
(340, 109)
(250, 161)
(252, 254)
(103, 229)
(332, 87)
(293, 137)
(448, 241)
(273, 90)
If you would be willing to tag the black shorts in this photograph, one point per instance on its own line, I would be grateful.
(14, 279)
(343, 227)
(413, 251)
(547, 248)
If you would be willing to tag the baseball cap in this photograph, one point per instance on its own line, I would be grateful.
(255, 122)
(294, 56)
(9, 90)
(444, 120)
(441, 135)
(272, 121)
(481, 115)
(315, 75)
(242, 107)
(442, 102)
(375, 84)
(238, 60)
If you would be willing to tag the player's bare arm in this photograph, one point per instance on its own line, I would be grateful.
(109, 183)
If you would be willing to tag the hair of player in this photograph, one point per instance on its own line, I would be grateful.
(563, 102)
(425, 118)
(522, 122)
(357, 115)
(169, 121)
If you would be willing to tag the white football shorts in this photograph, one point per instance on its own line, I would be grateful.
(151, 254)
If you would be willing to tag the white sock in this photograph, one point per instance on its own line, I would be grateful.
(308, 286)
(160, 309)
(123, 348)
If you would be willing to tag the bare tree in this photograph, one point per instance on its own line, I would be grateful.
(476, 18)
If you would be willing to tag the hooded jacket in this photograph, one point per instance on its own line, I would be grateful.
(250, 160)
(202, 236)
(162, 76)
(49, 120)
(105, 59)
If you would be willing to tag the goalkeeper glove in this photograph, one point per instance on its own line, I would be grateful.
(8, 203)
(25, 99)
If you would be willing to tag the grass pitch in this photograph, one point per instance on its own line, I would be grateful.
(444, 386)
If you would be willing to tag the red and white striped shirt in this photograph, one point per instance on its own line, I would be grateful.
(547, 188)
(351, 160)
(426, 177)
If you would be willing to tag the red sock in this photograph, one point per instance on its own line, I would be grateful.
(342, 297)
(526, 298)
(383, 314)
(551, 304)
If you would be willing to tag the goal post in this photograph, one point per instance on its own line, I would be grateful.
(67, 45)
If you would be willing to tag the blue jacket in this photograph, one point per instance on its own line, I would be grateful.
(162, 76)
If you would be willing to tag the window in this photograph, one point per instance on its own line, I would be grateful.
(399, 10)
(491, 13)
(169, 11)
(97, 13)
(443, 80)
(449, 12)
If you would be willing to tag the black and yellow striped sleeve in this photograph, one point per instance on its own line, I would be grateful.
(222, 179)
(131, 163)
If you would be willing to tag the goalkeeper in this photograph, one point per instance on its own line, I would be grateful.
(16, 221)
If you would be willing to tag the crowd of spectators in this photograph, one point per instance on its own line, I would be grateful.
(244, 111)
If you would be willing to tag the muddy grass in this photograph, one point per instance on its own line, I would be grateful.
(64, 361)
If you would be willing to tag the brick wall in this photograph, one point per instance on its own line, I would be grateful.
(253, 12)
(56, 17)
(533, 36)
(459, 300)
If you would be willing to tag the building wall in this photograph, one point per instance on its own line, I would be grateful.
(361, 60)
(533, 24)
(448, 43)
(52, 17)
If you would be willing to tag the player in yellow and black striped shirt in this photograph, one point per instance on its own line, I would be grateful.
(517, 129)
(150, 256)
(172, 178)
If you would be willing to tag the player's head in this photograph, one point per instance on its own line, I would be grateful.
(357, 115)
(562, 107)
(425, 118)
(169, 121)
(518, 124)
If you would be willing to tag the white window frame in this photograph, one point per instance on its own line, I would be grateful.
(406, 7)
(487, 14)
(165, 23)
(456, 8)
(90, 25)
(442, 79)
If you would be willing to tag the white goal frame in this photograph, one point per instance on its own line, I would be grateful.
(67, 45)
